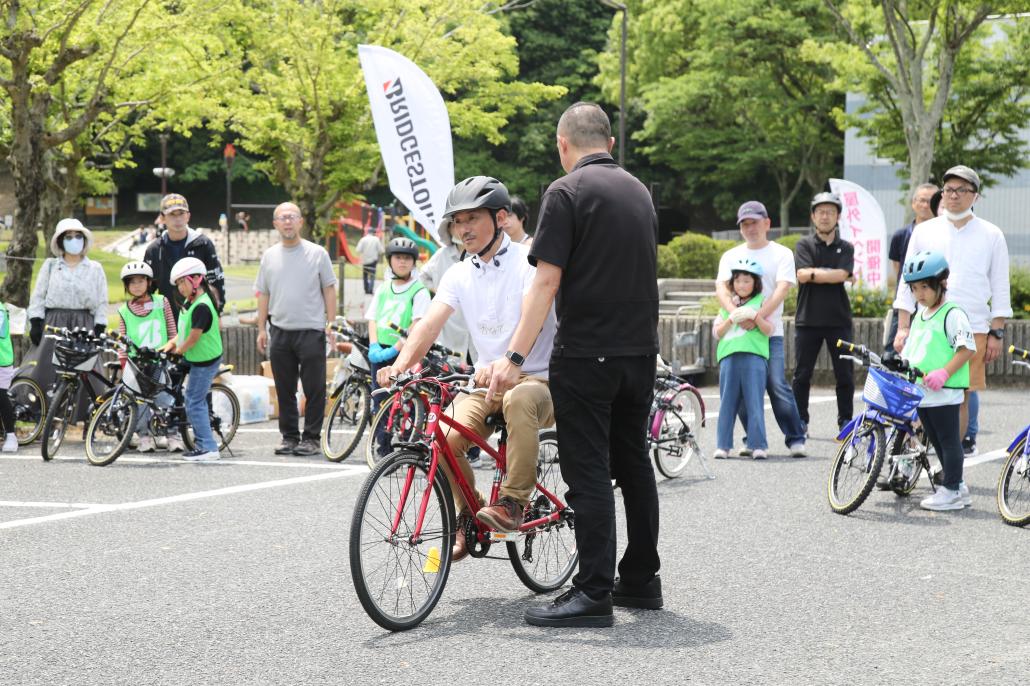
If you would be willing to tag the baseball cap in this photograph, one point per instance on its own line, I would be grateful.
(172, 202)
(752, 209)
(965, 173)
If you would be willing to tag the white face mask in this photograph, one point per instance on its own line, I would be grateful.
(74, 246)
(958, 216)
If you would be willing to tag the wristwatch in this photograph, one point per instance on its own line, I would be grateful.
(997, 333)
(515, 358)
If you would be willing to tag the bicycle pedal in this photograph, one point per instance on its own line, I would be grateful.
(505, 536)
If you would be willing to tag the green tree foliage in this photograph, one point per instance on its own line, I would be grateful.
(729, 97)
(305, 110)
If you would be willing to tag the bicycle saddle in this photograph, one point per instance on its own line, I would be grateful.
(496, 420)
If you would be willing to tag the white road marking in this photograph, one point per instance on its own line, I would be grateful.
(985, 457)
(224, 461)
(350, 470)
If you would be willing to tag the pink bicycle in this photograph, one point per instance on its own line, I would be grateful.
(675, 425)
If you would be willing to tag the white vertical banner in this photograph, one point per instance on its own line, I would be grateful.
(413, 130)
(862, 224)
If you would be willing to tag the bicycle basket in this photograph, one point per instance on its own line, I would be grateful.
(145, 378)
(891, 394)
(357, 360)
(75, 355)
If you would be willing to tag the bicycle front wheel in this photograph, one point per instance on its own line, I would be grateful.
(1014, 487)
(404, 428)
(398, 577)
(545, 557)
(346, 421)
(29, 402)
(855, 467)
(679, 433)
(58, 417)
(110, 429)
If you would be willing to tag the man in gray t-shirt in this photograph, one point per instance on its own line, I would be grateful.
(296, 290)
(369, 249)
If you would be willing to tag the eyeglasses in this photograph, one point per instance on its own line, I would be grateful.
(287, 217)
(472, 219)
(826, 212)
(956, 192)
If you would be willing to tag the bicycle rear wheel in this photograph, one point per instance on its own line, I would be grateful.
(545, 557)
(1014, 487)
(223, 413)
(855, 467)
(29, 402)
(346, 421)
(110, 429)
(407, 423)
(679, 433)
(399, 580)
(58, 417)
(907, 467)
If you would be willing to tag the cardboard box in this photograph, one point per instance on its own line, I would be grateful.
(273, 403)
(266, 369)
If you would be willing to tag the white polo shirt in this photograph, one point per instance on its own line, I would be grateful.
(777, 265)
(489, 297)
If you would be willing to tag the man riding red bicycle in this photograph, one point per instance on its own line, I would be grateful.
(488, 289)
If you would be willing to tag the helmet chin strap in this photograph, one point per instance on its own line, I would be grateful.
(497, 234)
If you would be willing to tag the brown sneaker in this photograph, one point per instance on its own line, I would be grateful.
(504, 515)
(460, 549)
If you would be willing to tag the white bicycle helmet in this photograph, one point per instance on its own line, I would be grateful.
(187, 266)
(137, 269)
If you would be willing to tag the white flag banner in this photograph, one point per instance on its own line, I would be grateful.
(862, 224)
(413, 130)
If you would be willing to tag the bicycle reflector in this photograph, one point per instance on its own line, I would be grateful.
(891, 394)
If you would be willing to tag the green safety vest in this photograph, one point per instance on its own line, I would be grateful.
(6, 349)
(927, 346)
(738, 340)
(150, 331)
(210, 344)
(394, 308)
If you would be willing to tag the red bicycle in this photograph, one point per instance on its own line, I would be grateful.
(404, 520)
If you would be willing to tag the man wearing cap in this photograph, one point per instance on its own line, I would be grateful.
(176, 242)
(824, 262)
(778, 277)
(978, 260)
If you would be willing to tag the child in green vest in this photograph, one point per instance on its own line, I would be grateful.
(147, 321)
(940, 343)
(199, 340)
(401, 301)
(6, 376)
(743, 354)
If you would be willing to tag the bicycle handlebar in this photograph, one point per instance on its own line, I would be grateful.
(889, 361)
(1023, 354)
(435, 346)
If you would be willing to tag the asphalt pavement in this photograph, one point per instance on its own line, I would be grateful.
(157, 571)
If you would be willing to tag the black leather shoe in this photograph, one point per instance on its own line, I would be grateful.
(307, 447)
(646, 597)
(574, 608)
(287, 446)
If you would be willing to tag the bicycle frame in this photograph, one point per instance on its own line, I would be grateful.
(434, 435)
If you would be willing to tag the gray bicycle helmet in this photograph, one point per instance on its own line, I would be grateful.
(474, 193)
(401, 246)
(826, 199)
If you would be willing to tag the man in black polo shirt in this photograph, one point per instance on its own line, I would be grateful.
(824, 262)
(595, 246)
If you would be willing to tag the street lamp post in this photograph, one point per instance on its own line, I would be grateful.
(163, 137)
(618, 6)
(230, 157)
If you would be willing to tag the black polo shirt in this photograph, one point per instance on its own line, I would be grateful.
(599, 225)
(823, 304)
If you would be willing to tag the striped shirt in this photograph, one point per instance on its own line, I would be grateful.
(138, 307)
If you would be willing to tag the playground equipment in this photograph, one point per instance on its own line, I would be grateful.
(362, 217)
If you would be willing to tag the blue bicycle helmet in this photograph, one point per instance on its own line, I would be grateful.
(924, 265)
(746, 264)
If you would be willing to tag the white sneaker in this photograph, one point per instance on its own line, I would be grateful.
(798, 450)
(146, 444)
(161, 442)
(198, 456)
(963, 491)
(759, 454)
(175, 444)
(942, 500)
(10, 443)
(745, 452)
(720, 454)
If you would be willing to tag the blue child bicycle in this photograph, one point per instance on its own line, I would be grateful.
(887, 429)
(1014, 480)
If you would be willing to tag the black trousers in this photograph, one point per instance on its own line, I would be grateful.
(807, 342)
(601, 407)
(368, 277)
(292, 354)
(941, 426)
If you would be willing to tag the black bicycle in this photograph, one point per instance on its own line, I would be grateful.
(152, 383)
(29, 402)
(350, 398)
(76, 355)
